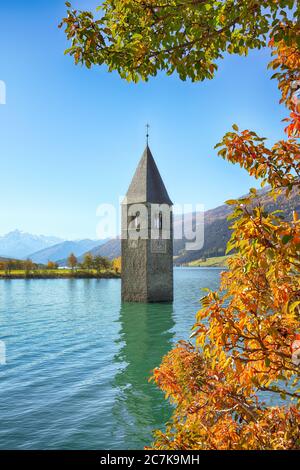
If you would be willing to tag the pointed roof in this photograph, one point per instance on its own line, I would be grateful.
(147, 184)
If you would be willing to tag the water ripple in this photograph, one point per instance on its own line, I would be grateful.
(78, 361)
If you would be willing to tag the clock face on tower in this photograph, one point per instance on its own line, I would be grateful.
(158, 246)
(133, 244)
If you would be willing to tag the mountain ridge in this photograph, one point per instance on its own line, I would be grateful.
(63, 250)
(19, 244)
(216, 229)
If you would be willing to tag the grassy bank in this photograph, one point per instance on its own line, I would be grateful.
(219, 261)
(59, 274)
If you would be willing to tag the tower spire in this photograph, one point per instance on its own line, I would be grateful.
(147, 185)
(147, 133)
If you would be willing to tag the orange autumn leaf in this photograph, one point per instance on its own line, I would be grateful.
(245, 332)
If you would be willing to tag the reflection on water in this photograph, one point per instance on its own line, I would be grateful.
(78, 362)
(145, 337)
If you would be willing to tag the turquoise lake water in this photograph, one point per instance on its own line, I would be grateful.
(78, 361)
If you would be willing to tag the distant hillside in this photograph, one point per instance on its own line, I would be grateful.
(215, 262)
(20, 245)
(62, 250)
(110, 249)
(216, 230)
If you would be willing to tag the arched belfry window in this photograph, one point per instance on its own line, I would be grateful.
(158, 221)
(137, 222)
(135, 219)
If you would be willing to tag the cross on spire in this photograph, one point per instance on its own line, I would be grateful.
(147, 132)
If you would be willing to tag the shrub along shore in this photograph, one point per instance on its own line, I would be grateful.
(59, 274)
(91, 268)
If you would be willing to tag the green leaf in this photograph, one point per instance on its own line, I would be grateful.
(267, 362)
(222, 153)
(231, 202)
(286, 239)
(218, 145)
(235, 127)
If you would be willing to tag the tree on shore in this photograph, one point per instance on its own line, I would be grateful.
(106, 263)
(17, 265)
(29, 266)
(52, 265)
(88, 261)
(98, 263)
(101, 263)
(8, 266)
(116, 264)
(246, 333)
(72, 261)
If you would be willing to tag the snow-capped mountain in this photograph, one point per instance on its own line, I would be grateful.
(18, 244)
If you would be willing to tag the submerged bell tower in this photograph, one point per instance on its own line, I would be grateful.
(147, 236)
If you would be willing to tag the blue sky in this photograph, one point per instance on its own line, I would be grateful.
(71, 137)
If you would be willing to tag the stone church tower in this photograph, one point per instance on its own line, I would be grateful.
(147, 236)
